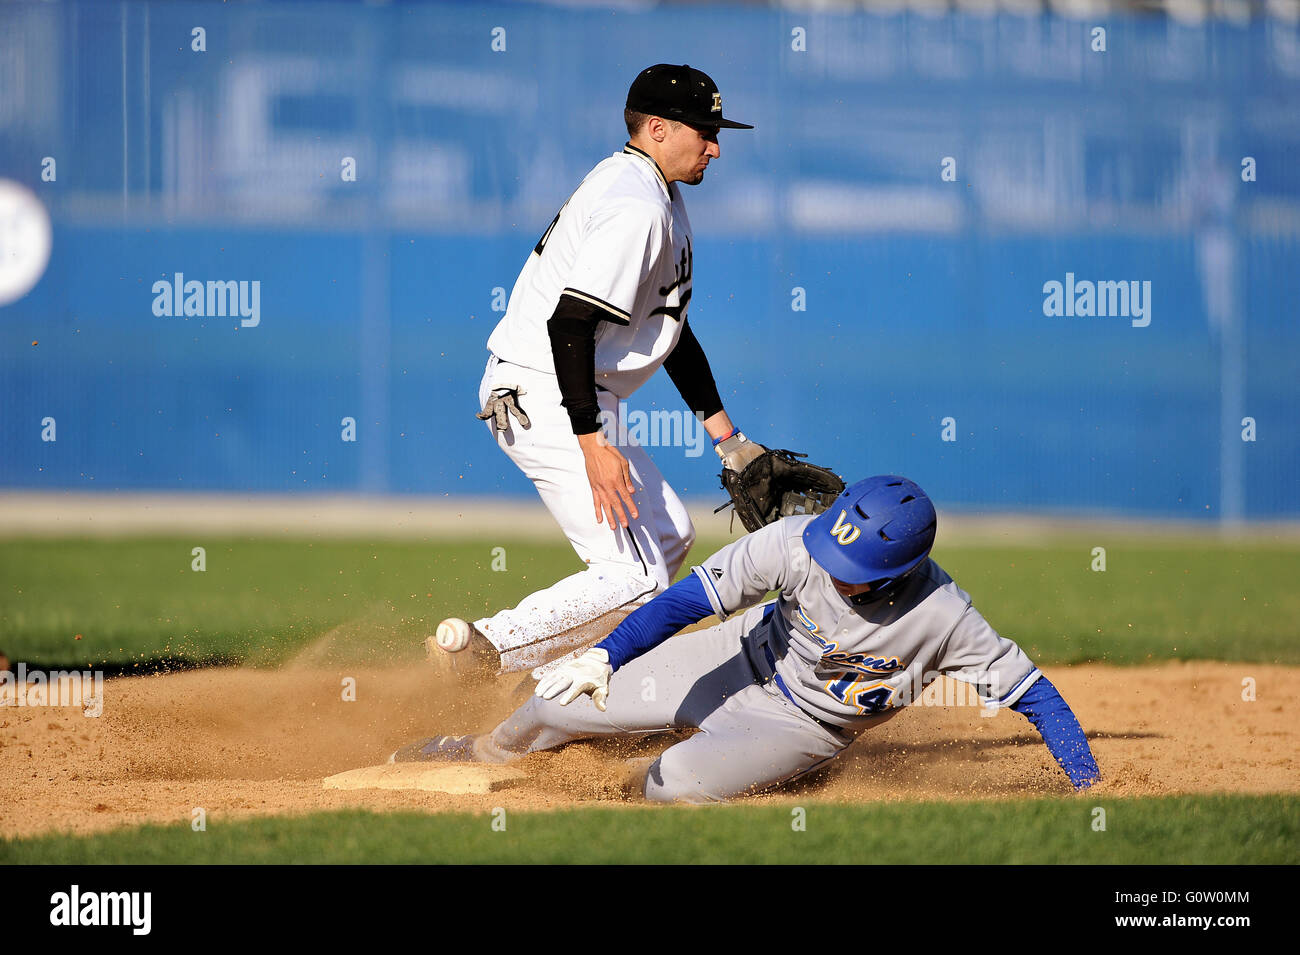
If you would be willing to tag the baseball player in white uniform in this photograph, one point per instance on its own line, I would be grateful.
(863, 621)
(600, 305)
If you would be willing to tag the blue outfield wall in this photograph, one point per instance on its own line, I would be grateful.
(924, 298)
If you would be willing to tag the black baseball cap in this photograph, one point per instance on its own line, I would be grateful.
(681, 93)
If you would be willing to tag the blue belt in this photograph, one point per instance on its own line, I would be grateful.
(780, 684)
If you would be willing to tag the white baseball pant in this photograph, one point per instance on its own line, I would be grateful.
(625, 567)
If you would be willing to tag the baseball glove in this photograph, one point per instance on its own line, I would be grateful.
(777, 484)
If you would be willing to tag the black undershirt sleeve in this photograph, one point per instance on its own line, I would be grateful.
(689, 369)
(572, 330)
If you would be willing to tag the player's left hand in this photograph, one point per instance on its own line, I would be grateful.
(737, 451)
(588, 673)
(1085, 783)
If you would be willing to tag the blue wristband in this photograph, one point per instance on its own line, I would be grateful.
(730, 434)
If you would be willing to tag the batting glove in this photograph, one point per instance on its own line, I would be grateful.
(737, 451)
(500, 404)
(588, 673)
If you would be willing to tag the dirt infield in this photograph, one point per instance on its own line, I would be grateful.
(238, 742)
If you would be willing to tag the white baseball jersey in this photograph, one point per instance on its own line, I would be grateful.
(622, 243)
(843, 662)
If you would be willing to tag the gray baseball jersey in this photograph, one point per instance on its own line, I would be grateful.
(783, 687)
(843, 662)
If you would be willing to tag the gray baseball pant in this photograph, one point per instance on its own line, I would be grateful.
(751, 736)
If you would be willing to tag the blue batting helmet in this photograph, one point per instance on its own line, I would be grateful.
(876, 532)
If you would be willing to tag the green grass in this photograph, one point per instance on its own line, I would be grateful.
(1199, 599)
(1174, 830)
(261, 599)
(258, 600)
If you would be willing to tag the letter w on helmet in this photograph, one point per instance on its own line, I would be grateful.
(891, 534)
(843, 531)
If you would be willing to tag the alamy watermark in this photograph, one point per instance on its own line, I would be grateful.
(133, 910)
(655, 429)
(81, 688)
(1085, 298)
(211, 299)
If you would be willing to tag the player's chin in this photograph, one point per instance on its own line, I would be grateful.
(699, 178)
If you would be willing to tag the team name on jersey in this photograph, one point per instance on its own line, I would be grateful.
(863, 662)
(833, 656)
(679, 293)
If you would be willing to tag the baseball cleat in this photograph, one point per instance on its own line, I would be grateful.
(437, 749)
(459, 646)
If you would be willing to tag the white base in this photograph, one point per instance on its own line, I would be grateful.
(455, 778)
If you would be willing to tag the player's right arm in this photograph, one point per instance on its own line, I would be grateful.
(572, 330)
(621, 244)
(737, 576)
(681, 605)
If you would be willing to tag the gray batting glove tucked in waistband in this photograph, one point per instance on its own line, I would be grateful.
(500, 404)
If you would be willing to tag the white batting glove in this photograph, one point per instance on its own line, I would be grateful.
(588, 673)
(737, 451)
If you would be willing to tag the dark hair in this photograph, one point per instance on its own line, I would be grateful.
(634, 121)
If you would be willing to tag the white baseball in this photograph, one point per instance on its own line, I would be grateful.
(451, 637)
